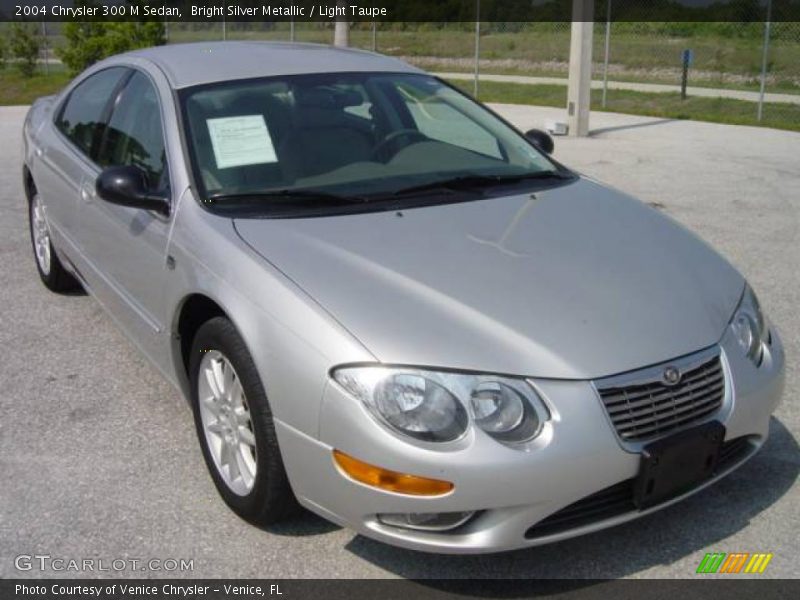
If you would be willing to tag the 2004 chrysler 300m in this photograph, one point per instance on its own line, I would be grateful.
(387, 304)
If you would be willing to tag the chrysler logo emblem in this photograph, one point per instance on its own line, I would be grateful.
(671, 376)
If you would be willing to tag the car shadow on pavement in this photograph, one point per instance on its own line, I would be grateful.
(661, 538)
(305, 523)
(76, 291)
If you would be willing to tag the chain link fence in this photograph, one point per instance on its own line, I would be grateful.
(732, 59)
(724, 56)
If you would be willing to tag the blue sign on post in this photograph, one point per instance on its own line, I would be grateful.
(687, 56)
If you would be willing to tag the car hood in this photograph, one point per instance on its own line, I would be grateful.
(575, 282)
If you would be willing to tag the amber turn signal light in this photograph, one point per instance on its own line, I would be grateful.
(391, 481)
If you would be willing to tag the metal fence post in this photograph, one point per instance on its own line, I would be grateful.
(224, 25)
(767, 26)
(477, 45)
(44, 47)
(608, 47)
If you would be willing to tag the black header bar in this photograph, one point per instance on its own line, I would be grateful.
(251, 11)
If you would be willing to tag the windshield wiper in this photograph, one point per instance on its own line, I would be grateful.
(288, 193)
(466, 182)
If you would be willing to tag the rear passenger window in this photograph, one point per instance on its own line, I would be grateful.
(135, 136)
(80, 120)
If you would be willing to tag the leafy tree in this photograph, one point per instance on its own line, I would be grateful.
(89, 42)
(130, 35)
(85, 44)
(24, 44)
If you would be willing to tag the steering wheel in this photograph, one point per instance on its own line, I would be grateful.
(412, 134)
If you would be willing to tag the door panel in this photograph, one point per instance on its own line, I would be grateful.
(57, 173)
(127, 246)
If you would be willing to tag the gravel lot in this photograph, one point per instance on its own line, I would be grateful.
(98, 454)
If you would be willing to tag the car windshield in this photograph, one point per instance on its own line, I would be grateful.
(347, 139)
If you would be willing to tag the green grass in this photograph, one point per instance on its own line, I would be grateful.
(664, 105)
(16, 89)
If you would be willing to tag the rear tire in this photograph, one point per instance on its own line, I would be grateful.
(235, 427)
(52, 273)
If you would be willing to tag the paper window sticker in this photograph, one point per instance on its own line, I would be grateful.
(241, 141)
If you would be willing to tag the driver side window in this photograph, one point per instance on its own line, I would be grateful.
(135, 135)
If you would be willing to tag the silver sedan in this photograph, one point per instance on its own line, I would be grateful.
(387, 305)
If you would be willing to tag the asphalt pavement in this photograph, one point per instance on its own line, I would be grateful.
(98, 456)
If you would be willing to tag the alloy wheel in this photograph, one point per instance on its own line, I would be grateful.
(41, 236)
(227, 422)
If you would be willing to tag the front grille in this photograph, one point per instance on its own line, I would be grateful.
(642, 407)
(618, 499)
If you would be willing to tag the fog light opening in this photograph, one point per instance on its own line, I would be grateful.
(391, 481)
(427, 521)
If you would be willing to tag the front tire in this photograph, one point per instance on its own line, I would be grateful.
(52, 273)
(235, 427)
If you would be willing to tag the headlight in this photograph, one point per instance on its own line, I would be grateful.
(503, 412)
(438, 406)
(748, 326)
(419, 407)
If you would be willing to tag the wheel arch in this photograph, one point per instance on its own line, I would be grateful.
(194, 310)
(28, 183)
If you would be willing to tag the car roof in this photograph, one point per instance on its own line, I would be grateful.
(186, 65)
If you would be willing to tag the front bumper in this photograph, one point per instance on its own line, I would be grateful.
(577, 456)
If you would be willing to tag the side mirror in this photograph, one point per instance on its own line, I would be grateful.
(127, 186)
(541, 140)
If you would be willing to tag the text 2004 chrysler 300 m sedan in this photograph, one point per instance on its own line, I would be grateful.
(387, 304)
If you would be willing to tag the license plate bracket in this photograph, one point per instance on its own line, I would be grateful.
(678, 463)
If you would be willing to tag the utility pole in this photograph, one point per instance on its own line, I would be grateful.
(341, 32)
(580, 68)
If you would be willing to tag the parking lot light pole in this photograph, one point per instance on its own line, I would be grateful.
(580, 68)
